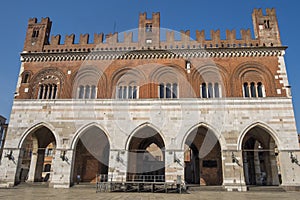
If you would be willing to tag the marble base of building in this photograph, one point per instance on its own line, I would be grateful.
(227, 142)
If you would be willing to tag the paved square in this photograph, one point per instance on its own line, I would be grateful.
(89, 193)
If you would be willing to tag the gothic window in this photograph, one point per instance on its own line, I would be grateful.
(47, 91)
(203, 90)
(134, 92)
(47, 84)
(81, 92)
(93, 92)
(25, 77)
(210, 90)
(161, 90)
(253, 90)
(217, 91)
(246, 90)
(87, 92)
(259, 89)
(175, 89)
(168, 90)
(127, 92)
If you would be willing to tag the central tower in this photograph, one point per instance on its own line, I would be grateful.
(149, 30)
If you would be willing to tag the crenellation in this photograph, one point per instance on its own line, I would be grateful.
(258, 12)
(45, 20)
(84, 39)
(143, 16)
(215, 36)
(98, 38)
(69, 39)
(246, 35)
(111, 38)
(266, 33)
(200, 36)
(231, 36)
(128, 37)
(55, 39)
(271, 12)
(170, 36)
(185, 35)
(32, 20)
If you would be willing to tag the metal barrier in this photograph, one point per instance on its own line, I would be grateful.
(138, 183)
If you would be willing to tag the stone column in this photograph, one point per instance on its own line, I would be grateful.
(246, 167)
(273, 168)
(257, 168)
(39, 165)
(118, 160)
(8, 169)
(290, 172)
(174, 165)
(233, 172)
(33, 161)
(62, 169)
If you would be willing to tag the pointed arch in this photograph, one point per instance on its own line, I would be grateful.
(140, 127)
(33, 146)
(36, 127)
(218, 135)
(86, 127)
(203, 155)
(261, 125)
(91, 149)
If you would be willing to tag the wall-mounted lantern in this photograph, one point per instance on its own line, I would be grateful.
(294, 159)
(10, 155)
(176, 159)
(63, 156)
(235, 160)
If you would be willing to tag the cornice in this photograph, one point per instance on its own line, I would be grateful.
(153, 54)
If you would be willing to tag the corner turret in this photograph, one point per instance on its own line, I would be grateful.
(37, 34)
(266, 27)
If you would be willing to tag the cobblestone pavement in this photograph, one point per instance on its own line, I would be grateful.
(89, 193)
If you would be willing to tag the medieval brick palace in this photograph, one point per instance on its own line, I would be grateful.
(153, 101)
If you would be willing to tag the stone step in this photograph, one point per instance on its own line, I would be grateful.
(265, 189)
(36, 184)
(205, 188)
(84, 185)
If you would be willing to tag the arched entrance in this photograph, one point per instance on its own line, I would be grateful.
(146, 155)
(91, 155)
(202, 158)
(261, 166)
(37, 151)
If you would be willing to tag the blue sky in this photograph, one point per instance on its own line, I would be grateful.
(94, 16)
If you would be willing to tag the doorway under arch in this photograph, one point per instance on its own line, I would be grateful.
(146, 155)
(261, 166)
(91, 155)
(34, 156)
(202, 158)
